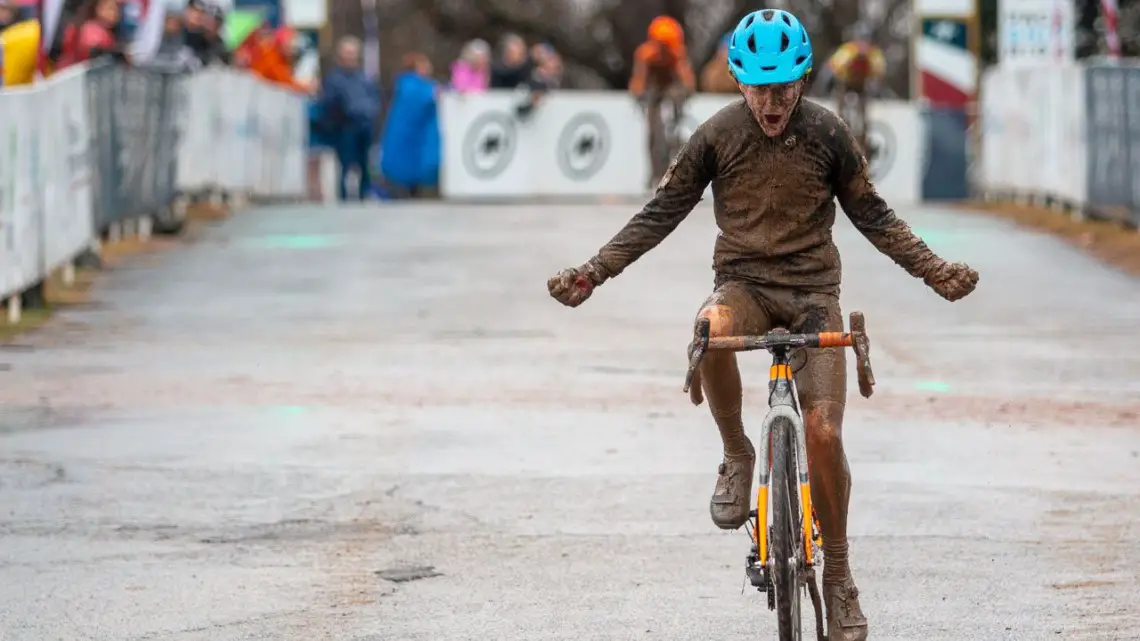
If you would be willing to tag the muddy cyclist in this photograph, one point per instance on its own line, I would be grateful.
(776, 162)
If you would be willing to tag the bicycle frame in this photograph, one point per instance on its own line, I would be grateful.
(782, 402)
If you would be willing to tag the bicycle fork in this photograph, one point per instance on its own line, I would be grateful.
(783, 391)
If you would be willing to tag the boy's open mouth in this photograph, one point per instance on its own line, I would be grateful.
(773, 119)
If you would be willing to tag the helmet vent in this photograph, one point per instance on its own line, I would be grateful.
(751, 19)
(752, 42)
(800, 60)
(787, 20)
(784, 42)
(768, 14)
(773, 68)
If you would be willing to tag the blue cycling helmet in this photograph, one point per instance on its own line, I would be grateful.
(769, 47)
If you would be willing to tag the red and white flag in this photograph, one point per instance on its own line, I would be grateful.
(1108, 10)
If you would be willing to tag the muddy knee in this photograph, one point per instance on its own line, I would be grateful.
(824, 426)
(719, 377)
(721, 318)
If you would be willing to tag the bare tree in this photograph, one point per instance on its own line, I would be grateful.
(597, 38)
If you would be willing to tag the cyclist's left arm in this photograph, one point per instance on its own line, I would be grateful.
(868, 211)
(679, 191)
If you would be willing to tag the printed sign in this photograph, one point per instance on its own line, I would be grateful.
(1035, 31)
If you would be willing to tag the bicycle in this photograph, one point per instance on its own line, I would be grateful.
(786, 549)
(852, 109)
(668, 145)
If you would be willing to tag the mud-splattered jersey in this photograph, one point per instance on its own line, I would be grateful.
(774, 201)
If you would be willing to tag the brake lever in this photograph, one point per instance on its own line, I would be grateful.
(700, 345)
(862, 344)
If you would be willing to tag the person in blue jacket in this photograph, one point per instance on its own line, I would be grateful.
(410, 147)
(348, 106)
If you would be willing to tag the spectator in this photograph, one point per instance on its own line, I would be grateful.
(348, 106)
(201, 33)
(715, 77)
(9, 14)
(546, 76)
(271, 57)
(173, 54)
(92, 33)
(514, 65)
(410, 148)
(471, 73)
(19, 49)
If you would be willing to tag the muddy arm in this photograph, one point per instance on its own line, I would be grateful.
(678, 193)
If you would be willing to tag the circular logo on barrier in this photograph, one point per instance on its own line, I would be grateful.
(489, 145)
(583, 146)
(881, 149)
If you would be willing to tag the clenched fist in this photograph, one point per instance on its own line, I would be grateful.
(952, 281)
(573, 286)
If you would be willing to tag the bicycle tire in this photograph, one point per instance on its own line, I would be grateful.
(785, 532)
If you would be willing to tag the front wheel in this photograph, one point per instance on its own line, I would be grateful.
(786, 535)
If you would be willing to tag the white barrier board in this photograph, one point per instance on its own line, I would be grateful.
(19, 229)
(593, 144)
(1033, 136)
(64, 174)
(242, 134)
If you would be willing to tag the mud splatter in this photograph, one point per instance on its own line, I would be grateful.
(774, 202)
(404, 575)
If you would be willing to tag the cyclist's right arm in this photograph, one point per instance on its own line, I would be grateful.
(679, 191)
(640, 75)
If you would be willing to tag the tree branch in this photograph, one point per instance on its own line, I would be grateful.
(706, 53)
(580, 52)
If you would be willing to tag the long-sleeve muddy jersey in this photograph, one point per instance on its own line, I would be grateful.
(774, 201)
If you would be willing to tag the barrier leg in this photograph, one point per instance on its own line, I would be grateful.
(14, 310)
(115, 232)
(144, 228)
(68, 275)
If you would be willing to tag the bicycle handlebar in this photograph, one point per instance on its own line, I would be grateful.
(856, 339)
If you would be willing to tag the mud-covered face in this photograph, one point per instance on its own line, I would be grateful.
(772, 105)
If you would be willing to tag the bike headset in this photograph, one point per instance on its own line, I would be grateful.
(769, 47)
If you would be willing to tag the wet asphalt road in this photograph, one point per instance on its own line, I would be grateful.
(240, 433)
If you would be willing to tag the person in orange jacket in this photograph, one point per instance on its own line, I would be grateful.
(270, 57)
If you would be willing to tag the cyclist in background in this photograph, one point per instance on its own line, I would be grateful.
(857, 67)
(661, 73)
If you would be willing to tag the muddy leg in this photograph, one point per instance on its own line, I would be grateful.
(730, 310)
(822, 385)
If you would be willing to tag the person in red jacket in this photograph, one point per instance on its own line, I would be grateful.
(92, 33)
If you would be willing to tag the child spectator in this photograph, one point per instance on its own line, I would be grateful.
(471, 73)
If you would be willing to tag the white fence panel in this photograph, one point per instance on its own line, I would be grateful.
(243, 135)
(65, 172)
(19, 226)
(201, 132)
(1033, 132)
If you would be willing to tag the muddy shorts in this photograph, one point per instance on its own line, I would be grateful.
(820, 374)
